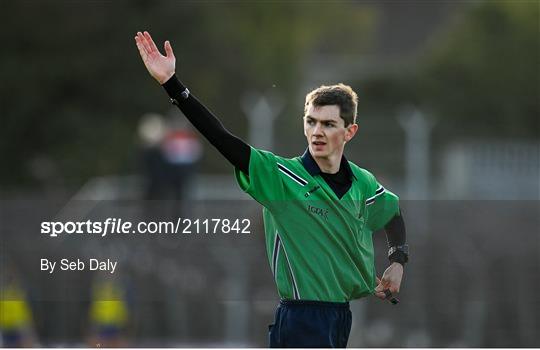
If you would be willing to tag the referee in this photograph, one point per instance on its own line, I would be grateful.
(319, 210)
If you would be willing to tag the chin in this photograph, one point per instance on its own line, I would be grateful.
(319, 154)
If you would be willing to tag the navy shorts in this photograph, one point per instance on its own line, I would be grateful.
(310, 324)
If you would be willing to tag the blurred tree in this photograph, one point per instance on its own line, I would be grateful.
(483, 78)
(479, 77)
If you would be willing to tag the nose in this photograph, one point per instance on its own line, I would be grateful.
(318, 129)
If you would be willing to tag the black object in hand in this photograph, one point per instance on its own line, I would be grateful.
(390, 297)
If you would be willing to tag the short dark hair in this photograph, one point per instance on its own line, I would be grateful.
(341, 95)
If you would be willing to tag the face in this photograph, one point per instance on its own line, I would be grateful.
(326, 132)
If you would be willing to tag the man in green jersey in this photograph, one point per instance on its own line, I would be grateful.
(319, 210)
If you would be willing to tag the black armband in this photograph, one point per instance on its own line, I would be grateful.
(176, 91)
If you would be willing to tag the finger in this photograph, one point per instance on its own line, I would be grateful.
(139, 43)
(148, 46)
(142, 42)
(168, 49)
(151, 43)
(140, 36)
(393, 289)
(142, 52)
(378, 280)
(141, 49)
(393, 286)
(383, 284)
(380, 295)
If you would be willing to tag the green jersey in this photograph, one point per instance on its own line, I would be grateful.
(319, 246)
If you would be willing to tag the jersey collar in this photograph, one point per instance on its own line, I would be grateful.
(313, 169)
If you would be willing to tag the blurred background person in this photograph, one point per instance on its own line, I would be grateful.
(109, 314)
(16, 320)
(170, 152)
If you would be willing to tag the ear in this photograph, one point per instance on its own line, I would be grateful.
(351, 131)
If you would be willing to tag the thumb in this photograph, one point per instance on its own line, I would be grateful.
(168, 49)
(379, 287)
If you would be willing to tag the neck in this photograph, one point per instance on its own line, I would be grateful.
(330, 164)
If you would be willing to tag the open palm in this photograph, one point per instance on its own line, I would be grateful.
(160, 67)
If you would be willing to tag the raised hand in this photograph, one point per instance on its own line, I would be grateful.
(160, 67)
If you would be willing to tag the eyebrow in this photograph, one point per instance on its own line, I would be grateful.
(321, 120)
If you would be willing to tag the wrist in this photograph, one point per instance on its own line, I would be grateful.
(166, 78)
(175, 89)
(397, 263)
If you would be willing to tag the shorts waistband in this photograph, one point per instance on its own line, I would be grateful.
(287, 302)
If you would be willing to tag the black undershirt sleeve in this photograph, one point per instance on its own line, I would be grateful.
(236, 151)
(396, 236)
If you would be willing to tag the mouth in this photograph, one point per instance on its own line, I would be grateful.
(318, 145)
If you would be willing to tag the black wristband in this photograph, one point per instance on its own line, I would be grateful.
(176, 91)
(399, 254)
(398, 257)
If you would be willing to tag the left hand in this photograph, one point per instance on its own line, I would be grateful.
(391, 280)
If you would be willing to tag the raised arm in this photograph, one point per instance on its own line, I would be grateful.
(162, 68)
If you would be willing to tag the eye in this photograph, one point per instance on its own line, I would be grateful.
(310, 122)
(329, 124)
